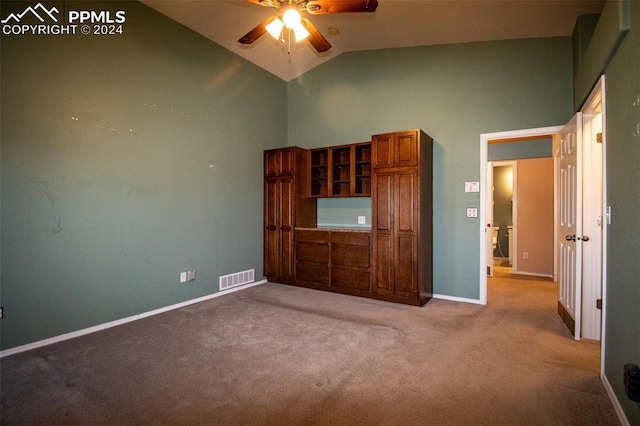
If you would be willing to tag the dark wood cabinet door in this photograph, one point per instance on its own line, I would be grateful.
(383, 150)
(405, 151)
(312, 257)
(286, 193)
(406, 261)
(383, 263)
(382, 199)
(395, 149)
(395, 199)
(271, 253)
(382, 227)
(406, 233)
(279, 162)
(405, 203)
(272, 231)
(278, 239)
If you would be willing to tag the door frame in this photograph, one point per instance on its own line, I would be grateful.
(484, 148)
(599, 90)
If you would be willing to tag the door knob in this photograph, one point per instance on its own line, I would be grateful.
(570, 238)
(585, 238)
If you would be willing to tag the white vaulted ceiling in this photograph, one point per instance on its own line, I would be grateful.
(396, 23)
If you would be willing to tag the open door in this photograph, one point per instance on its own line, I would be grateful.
(570, 226)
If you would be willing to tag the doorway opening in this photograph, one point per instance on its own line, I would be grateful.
(486, 200)
(503, 223)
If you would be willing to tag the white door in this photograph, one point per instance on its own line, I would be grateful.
(570, 225)
(489, 217)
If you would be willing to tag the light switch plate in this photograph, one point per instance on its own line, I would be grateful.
(472, 212)
(472, 187)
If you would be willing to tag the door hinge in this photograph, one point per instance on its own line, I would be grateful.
(599, 137)
(599, 304)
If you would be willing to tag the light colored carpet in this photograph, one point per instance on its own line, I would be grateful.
(276, 354)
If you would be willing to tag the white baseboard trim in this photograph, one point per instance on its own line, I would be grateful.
(100, 327)
(533, 274)
(458, 299)
(614, 400)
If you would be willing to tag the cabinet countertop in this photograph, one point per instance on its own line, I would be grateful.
(335, 229)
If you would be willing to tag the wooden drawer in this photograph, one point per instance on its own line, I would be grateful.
(312, 236)
(351, 238)
(352, 256)
(317, 253)
(350, 278)
(312, 273)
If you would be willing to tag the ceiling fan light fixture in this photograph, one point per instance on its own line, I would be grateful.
(275, 28)
(300, 32)
(291, 18)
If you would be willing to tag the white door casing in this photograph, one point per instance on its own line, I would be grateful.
(484, 143)
(593, 213)
(489, 213)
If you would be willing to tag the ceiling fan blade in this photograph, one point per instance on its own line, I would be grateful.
(320, 7)
(316, 39)
(257, 32)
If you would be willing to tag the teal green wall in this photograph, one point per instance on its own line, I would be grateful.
(454, 93)
(535, 148)
(126, 160)
(622, 331)
(609, 32)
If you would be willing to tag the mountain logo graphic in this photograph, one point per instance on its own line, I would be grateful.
(38, 11)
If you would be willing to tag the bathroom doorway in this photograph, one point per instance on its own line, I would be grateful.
(505, 202)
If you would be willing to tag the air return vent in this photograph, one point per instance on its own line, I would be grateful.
(234, 280)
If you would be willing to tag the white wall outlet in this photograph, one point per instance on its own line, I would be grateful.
(362, 220)
(472, 187)
(525, 255)
(472, 212)
(183, 277)
(191, 275)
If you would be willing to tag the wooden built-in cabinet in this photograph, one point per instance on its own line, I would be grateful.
(341, 171)
(285, 207)
(402, 216)
(392, 261)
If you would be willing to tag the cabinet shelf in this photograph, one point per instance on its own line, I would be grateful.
(319, 172)
(341, 171)
(362, 169)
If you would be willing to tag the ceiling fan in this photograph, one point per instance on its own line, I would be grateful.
(290, 18)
